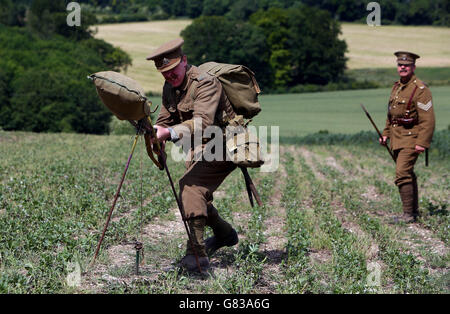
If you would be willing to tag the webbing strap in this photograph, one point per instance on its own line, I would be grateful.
(410, 99)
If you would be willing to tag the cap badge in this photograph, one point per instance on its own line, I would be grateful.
(166, 61)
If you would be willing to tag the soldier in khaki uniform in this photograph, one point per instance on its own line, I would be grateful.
(189, 94)
(409, 126)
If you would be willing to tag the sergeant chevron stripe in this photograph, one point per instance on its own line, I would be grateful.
(425, 107)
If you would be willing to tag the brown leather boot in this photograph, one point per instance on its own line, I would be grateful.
(407, 196)
(416, 212)
(189, 261)
(224, 234)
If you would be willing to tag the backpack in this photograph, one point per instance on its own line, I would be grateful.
(239, 84)
(242, 90)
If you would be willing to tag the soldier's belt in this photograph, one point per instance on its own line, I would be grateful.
(404, 121)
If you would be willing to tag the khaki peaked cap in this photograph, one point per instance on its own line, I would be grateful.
(405, 57)
(168, 55)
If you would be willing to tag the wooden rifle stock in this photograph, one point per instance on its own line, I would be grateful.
(251, 189)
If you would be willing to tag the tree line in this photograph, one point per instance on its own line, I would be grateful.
(44, 66)
(403, 12)
(284, 47)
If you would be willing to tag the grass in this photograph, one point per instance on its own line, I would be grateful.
(325, 219)
(368, 47)
(337, 112)
(385, 77)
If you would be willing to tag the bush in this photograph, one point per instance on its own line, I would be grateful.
(439, 147)
(120, 127)
(43, 84)
(284, 47)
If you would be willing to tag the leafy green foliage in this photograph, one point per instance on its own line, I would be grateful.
(48, 17)
(405, 12)
(43, 85)
(218, 39)
(284, 47)
(302, 50)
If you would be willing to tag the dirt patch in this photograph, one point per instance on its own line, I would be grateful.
(371, 193)
(366, 243)
(119, 268)
(416, 240)
(309, 161)
(275, 238)
(330, 161)
(161, 228)
(436, 246)
(320, 256)
(241, 220)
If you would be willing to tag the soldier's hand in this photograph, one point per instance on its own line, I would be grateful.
(162, 133)
(419, 149)
(383, 140)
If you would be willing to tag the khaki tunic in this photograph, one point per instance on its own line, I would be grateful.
(421, 108)
(403, 139)
(200, 96)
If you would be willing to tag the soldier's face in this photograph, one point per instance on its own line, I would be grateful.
(405, 70)
(175, 76)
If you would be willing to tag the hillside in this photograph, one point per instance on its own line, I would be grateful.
(368, 47)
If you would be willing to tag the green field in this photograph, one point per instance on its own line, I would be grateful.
(384, 77)
(324, 226)
(336, 112)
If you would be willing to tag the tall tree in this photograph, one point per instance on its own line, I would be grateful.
(215, 38)
(304, 45)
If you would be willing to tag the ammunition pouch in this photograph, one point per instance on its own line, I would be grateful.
(242, 146)
(405, 122)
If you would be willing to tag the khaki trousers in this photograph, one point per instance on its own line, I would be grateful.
(404, 171)
(198, 184)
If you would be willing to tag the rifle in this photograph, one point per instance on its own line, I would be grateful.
(378, 131)
(251, 189)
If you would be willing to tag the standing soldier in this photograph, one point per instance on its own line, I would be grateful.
(409, 126)
(189, 94)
